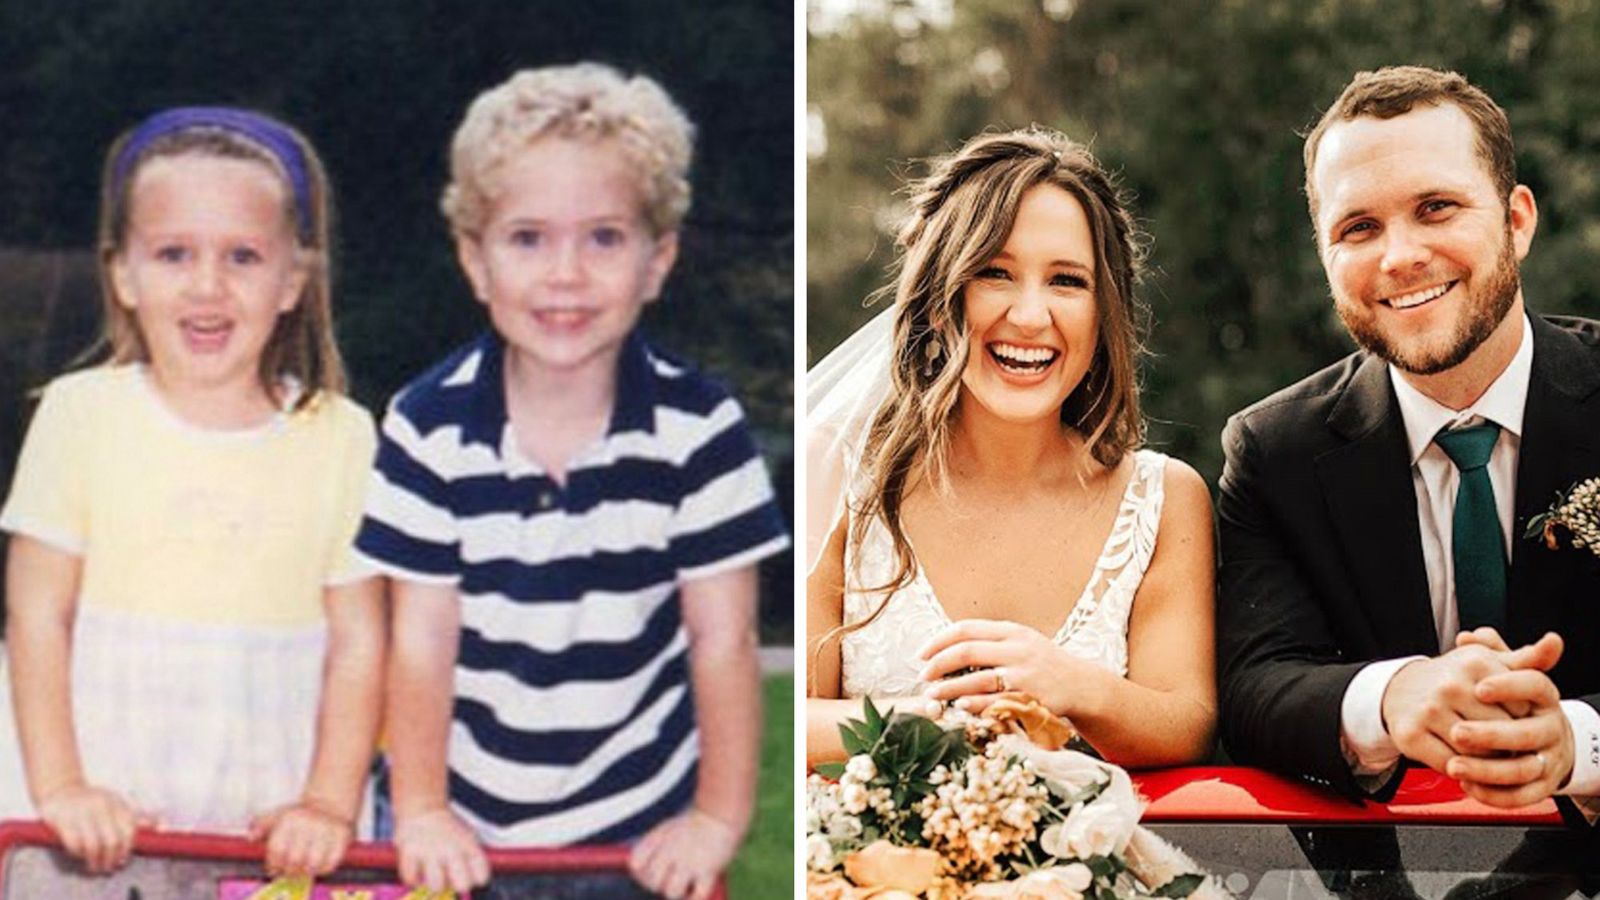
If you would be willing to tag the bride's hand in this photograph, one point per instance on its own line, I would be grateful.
(925, 707)
(995, 657)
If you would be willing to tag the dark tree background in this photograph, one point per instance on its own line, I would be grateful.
(379, 87)
(1198, 104)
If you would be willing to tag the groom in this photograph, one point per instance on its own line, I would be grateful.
(1378, 602)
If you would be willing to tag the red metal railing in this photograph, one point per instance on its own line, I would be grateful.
(1238, 794)
(380, 857)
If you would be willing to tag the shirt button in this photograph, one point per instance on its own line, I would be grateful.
(546, 499)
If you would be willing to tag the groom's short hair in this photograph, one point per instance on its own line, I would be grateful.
(1396, 90)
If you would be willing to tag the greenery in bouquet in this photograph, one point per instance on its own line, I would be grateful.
(1575, 515)
(979, 807)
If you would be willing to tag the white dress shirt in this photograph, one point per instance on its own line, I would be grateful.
(1367, 745)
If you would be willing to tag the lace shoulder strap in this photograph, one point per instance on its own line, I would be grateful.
(1140, 517)
(1108, 597)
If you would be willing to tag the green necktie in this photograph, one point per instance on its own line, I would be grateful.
(1477, 548)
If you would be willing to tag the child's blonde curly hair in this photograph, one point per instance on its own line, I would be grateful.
(585, 100)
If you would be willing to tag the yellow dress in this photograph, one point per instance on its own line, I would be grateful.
(199, 641)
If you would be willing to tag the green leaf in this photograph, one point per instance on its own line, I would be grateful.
(911, 829)
(951, 749)
(871, 733)
(1181, 886)
(853, 744)
(831, 771)
(919, 740)
(1101, 866)
(874, 718)
(1090, 793)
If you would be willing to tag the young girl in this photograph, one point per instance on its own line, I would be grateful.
(192, 643)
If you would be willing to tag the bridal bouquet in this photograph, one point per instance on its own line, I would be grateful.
(983, 808)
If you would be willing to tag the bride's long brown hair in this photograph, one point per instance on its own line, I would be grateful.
(962, 214)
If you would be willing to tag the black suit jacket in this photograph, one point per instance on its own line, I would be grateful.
(1322, 567)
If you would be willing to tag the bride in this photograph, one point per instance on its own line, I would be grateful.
(981, 518)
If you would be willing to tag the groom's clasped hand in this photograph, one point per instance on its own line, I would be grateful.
(1486, 715)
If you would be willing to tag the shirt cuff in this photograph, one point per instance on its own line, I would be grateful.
(747, 557)
(1585, 722)
(388, 569)
(1365, 742)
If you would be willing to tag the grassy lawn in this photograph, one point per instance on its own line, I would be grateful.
(765, 867)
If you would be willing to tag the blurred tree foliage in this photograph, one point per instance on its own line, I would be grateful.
(379, 87)
(1199, 105)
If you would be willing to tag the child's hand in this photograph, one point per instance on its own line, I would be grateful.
(94, 824)
(303, 838)
(681, 858)
(439, 851)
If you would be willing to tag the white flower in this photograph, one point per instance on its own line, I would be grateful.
(1075, 876)
(1116, 810)
(845, 827)
(860, 768)
(819, 854)
(822, 803)
(1098, 829)
(1016, 814)
(1054, 842)
(854, 798)
(1047, 884)
(1068, 768)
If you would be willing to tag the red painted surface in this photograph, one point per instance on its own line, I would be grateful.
(185, 845)
(1237, 794)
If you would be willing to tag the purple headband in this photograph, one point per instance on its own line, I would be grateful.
(270, 135)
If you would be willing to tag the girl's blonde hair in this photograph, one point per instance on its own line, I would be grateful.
(301, 349)
(962, 215)
(586, 100)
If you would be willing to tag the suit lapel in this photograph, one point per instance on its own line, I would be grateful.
(1559, 447)
(1367, 485)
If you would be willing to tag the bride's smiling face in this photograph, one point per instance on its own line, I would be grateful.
(1031, 314)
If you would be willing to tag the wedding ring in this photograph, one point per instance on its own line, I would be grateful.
(1544, 764)
(1000, 685)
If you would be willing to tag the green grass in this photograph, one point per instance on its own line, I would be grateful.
(765, 867)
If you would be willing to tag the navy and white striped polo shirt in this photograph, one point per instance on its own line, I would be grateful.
(573, 718)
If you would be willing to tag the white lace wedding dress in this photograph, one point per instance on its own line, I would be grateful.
(880, 659)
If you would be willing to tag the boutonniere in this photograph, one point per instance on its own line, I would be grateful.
(1577, 513)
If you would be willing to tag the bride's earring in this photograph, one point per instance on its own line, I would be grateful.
(930, 353)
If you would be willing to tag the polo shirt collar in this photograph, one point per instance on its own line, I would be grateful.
(486, 406)
(633, 409)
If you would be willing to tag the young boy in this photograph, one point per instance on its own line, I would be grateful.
(571, 522)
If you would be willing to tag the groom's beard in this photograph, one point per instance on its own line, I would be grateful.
(1483, 309)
